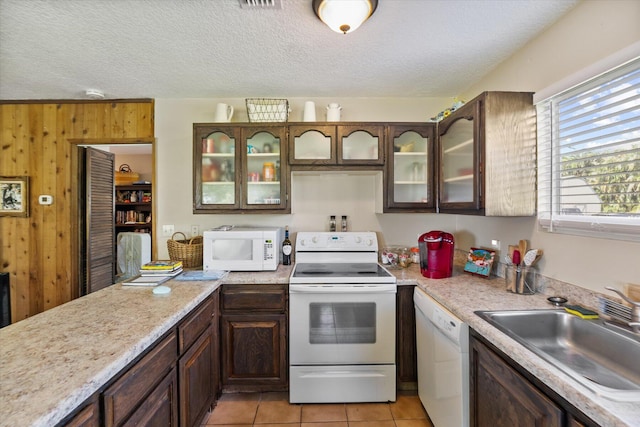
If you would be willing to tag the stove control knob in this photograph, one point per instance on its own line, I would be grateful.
(369, 242)
(358, 239)
(314, 239)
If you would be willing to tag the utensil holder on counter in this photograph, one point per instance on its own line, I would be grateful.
(521, 279)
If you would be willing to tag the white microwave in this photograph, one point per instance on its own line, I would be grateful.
(234, 248)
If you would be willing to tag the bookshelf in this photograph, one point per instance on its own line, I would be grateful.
(133, 208)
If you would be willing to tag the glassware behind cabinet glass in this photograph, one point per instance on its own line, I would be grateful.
(218, 169)
(410, 160)
(263, 157)
(458, 162)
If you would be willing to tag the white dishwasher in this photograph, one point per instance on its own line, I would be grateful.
(443, 362)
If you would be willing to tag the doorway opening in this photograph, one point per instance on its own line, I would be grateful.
(131, 209)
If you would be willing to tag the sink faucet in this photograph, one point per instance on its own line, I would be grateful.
(635, 310)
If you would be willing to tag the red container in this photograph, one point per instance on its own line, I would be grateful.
(436, 254)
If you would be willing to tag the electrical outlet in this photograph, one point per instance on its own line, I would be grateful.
(495, 243)
(167, 230)
(195, 230)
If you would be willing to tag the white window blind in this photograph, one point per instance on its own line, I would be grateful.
(589, 157)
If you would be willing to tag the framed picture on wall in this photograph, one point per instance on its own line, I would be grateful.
(14, 191)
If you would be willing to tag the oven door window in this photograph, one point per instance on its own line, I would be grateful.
(342, 323)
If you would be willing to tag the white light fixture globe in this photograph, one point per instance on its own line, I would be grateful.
(344, 16)
(94, 94)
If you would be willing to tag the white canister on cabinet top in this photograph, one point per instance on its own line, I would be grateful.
(309, 114)
(333, 112)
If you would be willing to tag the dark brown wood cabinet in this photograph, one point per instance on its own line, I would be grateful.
(501, 397)
(160, 407)
(87, 416)
(486, 156)
(254, 337)
(503, 394)
(341, 144)
(240, 167)
(197, 379)
(199, 362)
(175, 382)
(406, 357)
(409, 176)
(138, 383)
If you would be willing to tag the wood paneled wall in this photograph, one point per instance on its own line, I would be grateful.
(37, 140)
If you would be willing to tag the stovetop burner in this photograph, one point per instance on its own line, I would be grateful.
(340, 273)
(339, 269)
(338, 258)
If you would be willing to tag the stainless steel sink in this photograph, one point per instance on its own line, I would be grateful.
(603, 357)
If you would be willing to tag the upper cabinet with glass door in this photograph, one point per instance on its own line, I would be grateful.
(459, 185)
(409, 175)
(215, 167)
(265, 166)
(239, 168)
(331, 145)
(487, 156)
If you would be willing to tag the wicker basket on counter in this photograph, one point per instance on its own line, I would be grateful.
(189, 251)
(262, 110)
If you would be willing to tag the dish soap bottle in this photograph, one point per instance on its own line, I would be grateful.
(286, 248)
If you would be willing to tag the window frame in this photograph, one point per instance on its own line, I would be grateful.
(549, 174)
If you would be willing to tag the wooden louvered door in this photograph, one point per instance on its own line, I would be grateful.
(99, 242)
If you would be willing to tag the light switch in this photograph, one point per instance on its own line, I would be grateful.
(45, 199)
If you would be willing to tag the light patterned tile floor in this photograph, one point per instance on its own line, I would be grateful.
(274, 410)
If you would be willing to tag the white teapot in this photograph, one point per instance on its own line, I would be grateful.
(333, 112)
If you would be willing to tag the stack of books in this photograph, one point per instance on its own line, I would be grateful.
(155, 272)
(161, 268)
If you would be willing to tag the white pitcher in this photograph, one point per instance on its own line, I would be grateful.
(333, 112)
(223, 113)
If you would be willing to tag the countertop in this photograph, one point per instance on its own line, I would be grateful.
(52, 362)
(462, 294)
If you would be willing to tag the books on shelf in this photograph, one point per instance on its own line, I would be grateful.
(161, 273)
(163, 265)
(145, 281)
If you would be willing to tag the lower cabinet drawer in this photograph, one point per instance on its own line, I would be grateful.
(196, 323)
(133, 387)
(265, 298)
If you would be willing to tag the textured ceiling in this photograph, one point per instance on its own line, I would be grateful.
(214, 48)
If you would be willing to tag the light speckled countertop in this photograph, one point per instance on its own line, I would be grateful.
(53, 362)
(463, 294)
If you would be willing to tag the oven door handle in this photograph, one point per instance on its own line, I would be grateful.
(342, 289)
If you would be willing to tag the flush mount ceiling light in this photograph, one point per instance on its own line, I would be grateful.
(94, 94)
(344, 16)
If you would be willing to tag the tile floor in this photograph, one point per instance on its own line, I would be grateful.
(274, 410)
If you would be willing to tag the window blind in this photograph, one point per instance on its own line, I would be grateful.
(589, 157)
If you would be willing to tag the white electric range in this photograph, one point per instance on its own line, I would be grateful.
(342, 306)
